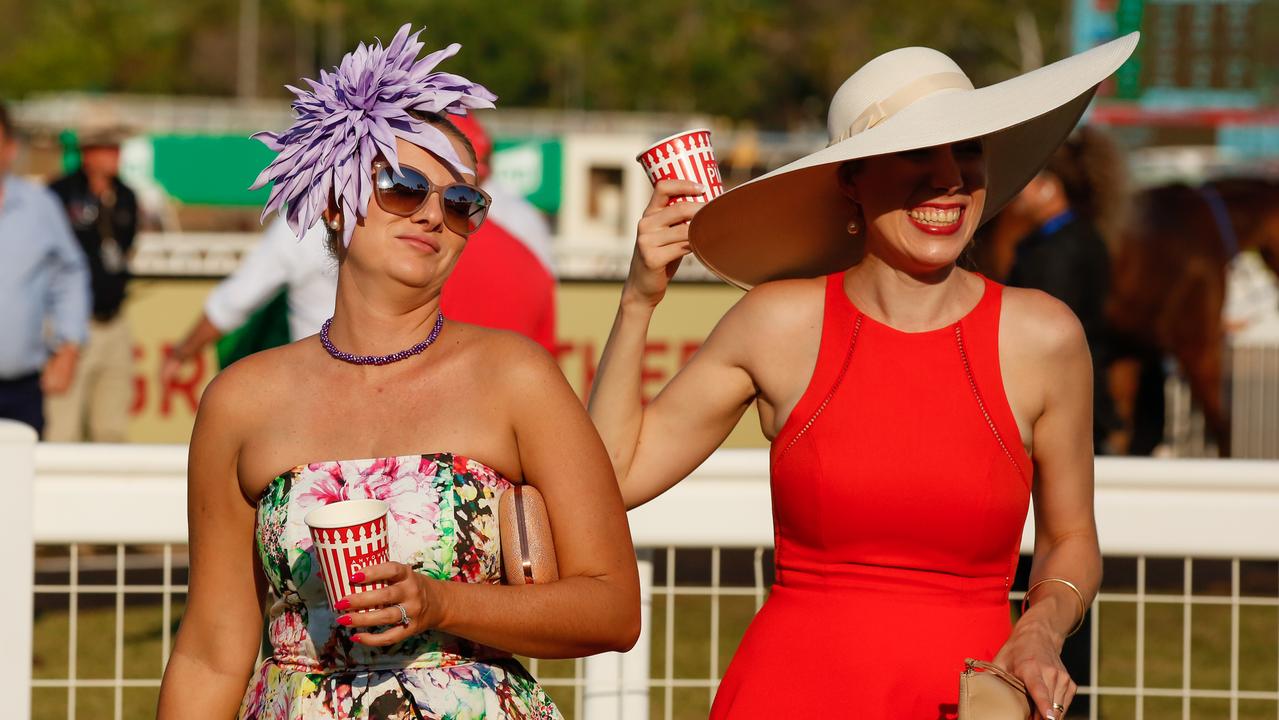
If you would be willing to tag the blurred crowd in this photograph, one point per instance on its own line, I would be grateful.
(1162, 279)
(66, 369)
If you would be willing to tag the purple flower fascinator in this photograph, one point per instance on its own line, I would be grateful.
(352, 115)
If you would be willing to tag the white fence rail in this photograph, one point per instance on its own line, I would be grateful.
(705, 551)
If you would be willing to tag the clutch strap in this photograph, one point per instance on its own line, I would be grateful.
(975, 665)
(526, 562)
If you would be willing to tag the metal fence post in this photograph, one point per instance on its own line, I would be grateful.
(616, 684)
(17, 458)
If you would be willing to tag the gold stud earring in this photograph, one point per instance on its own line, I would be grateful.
(854, 227)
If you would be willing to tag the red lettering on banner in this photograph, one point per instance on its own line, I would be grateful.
(188, 387)
(139, 385)
(589, 366)
(560, 350)
(688, 350)
(655, 369)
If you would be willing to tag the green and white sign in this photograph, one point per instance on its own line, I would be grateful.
(218, 169)
(532, 167)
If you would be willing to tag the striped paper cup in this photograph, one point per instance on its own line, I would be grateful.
(686, 156)
(349, 535)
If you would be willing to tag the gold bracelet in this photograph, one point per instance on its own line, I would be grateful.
(1083, 607)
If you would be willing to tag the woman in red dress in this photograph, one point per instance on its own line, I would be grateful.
(914, 408)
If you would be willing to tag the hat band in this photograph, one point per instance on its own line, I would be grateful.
(880, 111)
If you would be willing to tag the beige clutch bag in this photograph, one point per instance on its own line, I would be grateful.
(988, 692)
(528, 550)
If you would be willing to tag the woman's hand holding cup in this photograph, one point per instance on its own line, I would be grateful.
(417, 594)
(661, 240)
(685, 176)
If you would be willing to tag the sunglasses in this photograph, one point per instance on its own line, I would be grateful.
(406, 192)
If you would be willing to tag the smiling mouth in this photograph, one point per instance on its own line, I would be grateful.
(937, 220)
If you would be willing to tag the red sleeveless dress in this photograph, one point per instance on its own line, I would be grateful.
(900, 489)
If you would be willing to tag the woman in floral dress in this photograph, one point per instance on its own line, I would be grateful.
(445, 426)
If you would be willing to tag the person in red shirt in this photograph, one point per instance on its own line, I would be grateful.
(504, 279)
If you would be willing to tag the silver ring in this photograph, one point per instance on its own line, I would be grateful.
(404, 615)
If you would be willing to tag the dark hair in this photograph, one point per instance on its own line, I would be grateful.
(431, 118)
(1093, 174)
(849, 168)
(434, 118)
(6, 122)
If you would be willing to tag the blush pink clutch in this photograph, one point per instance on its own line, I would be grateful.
(528, 550)
(988, 692)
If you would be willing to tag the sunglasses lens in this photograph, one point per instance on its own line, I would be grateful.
(465, 208)
(401, 193)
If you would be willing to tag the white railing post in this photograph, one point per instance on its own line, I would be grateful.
(17, 457)
(616, 684)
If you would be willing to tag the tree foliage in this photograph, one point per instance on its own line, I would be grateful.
(774, 62)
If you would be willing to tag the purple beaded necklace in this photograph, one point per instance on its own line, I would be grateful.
(379, 359)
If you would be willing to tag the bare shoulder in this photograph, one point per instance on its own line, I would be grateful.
(250, 386)
(773, 310)
(505, 356)
(1044, 326)
(783, 297)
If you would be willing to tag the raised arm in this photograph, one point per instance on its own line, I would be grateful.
(654, 447)
(222, 627)
(1066, 543)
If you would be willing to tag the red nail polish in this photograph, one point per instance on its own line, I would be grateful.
(342, 604)
(358, 577)
(356, 638)
(345, 620)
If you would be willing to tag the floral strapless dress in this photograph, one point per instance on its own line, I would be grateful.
(443, 523)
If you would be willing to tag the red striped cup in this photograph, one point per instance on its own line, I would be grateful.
(686, 156)
(349, 535)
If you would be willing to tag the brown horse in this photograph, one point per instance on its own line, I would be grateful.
(1169, 278)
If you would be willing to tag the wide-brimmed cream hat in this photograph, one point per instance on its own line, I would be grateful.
(793, 221)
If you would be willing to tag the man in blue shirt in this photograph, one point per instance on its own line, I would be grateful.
(44, 292)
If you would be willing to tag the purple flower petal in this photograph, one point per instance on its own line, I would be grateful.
(351, 115)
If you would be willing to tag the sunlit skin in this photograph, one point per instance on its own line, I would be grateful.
(945, 178)
(914, 257)
(418, 251)
(764, 350)
(492, 396)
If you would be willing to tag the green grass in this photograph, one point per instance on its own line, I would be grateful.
(95, 658)
(1210, 658)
